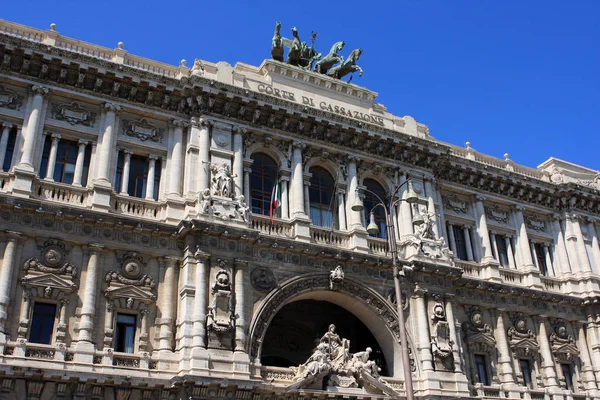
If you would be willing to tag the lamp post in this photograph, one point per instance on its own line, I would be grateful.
(372, 228)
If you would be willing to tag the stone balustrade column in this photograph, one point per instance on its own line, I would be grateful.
(55, 138)
(78, 175)
(593, 234)
(468, 243)
(453, 333)
(90, 291)
(241, 272)
(126, 168)
(523, 239)
(584, 261)
(238, 160)
(587, 369)
(549, 263)
(482, 230)
(204, 154)
(4, 142)
(200, 299)
(297, 187)
(452, 239)
(9, 265)
(151, 174)
(353, 217)
(104, 161)
(505, 366)
(547, 362)
(509, 252)
(494, 245)
(168, 302)
(33, 123)
(285, 202)
(431, 196)
(405, 225)
(561, 258)
(176, 159)
(341, 209)
(423, 341)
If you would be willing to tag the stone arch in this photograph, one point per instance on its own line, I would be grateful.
(365, 303)
(276, 154)
(382, 179)
(327, 165)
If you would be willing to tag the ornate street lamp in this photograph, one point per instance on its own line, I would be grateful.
(372, 228)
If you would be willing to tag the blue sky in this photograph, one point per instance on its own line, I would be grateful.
(514, 76)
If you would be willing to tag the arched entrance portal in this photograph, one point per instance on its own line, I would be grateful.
(297, 328)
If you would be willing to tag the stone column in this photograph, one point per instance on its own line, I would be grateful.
(453, 333)
(78, 175)
(55, 137)
(297, 187)
(584, 261)
(593, 338)
(509, 252)
(109, 317)
(204, 154)
(341, 209)
(306, 185)
(33, 123)
(482, 230)
(429, 190)
(587, 370)
(505, 367)
(4, 142)
(424, 341)
(595, 246)
(151, 173)
(285, 204)
(353, 217)
(561, 259)
(547, 362)
(549, 263)
(107, 146)
(90, 291)
(405, 215)
(9, 265)
(23, 330)
(494, 245)
(523, 239)
(176, 157)
(125, 176)
(452, 239)
(238, 160)
(534, 255)
(468, 243)
(247, 171)
(186, 291)
(200, 300)
(241, 268)
(168, 302)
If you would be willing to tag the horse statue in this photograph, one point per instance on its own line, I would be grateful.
(308, 54)
(295, 45)
(347, 66)
(330, 59)
(277, 44)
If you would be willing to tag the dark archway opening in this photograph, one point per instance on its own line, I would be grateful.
(297, 328)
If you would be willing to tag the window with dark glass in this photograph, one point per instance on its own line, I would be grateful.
(321, 197)
(10, 149)
(541, 258)
(460, 242)
(481, 369)
(66, 159)
(138, 176)
(567, 372)
(369, 203)
(525, 367)
(262, 179)
(125, 333)
(42, 323)
(502, 251)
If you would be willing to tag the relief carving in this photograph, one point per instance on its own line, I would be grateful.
(497, 214)
(535, 223)
(441, 343)
(142, 130)
(10, 99)
(522, 340)
(73, 114)
(220, 317)
(456, 204)
(562, 344)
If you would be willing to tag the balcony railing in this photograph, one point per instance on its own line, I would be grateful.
(511, 276)
(470, 268)
(263, 224)
(329, 237)
(378, 246)
(137, 207)
(61, 193)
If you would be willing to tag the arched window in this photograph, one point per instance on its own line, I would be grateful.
(321, 197)
(262, 178)
(370, 201)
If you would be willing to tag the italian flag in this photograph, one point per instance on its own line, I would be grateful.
(275, 199)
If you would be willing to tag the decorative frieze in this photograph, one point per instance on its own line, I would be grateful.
(73, 114)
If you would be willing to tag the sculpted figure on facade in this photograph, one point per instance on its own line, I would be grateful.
(336, 276)
(277, 44)
(332, 58)
(348, 66)
(425, 230)
(222, 180)
(220, 316)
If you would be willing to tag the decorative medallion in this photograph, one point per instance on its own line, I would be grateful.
(263, 279)
(142, 130)
(497, 214)
(73, 114)
(53, 253)
(535, 223)
(456, 204)
(132, 265)
(561, 343)
(221, 140)
(522, 340)
(10, 99)
(222, 281)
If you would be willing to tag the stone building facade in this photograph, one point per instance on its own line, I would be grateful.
(139, 261)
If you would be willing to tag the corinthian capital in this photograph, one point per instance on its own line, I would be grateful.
(299, 145)
(179, 123)
(238, 129)
(40, 90)
(112, 107)
(206, 122)
(519, 207)
(479, 197)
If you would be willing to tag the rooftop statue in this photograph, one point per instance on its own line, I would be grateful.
(277, 44)
(330, 59)
(295, 45)
(308, 54)
(347, 66)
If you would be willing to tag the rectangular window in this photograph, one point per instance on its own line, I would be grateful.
(125, 333)
(459, 240)
(66, 158)
(119, 174)
(42, 323)
(138, 176)
(525, 367)
(541, 258)
(502, 251)
(567, 372)
(481, 369)
(10, 149)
